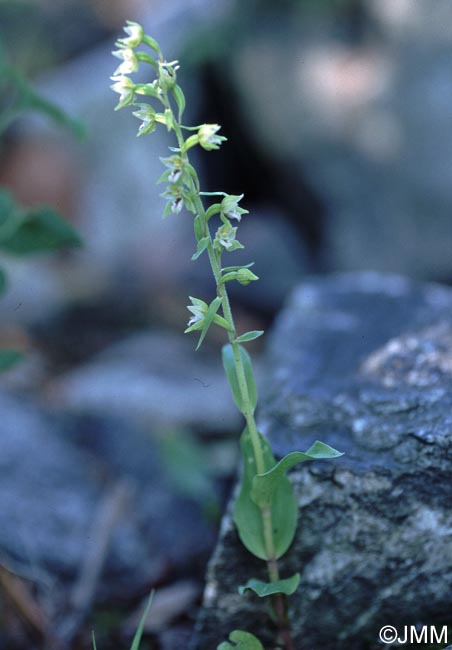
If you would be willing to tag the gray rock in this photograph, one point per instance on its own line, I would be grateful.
(54, 478)
(367, 124)
(154, 378)
(364, 363)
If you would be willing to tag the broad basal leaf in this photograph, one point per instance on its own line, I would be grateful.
(247, 514)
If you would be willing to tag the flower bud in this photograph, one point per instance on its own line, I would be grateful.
(167, 75)
(245, 276)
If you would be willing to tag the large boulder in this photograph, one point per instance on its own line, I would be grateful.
(359, 109)
(364, 363)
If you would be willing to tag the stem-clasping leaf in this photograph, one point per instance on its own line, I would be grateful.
(286, 586)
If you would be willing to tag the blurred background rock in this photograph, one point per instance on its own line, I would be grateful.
(338, 115)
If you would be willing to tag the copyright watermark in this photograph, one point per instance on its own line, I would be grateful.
(411, 634)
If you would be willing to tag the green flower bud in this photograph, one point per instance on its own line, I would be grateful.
(245, 276)
(167, 75)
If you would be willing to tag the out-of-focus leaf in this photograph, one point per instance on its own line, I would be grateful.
(39, 230)
(9, 358)
(139, 633)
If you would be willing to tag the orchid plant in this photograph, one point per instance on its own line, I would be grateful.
(265, 511)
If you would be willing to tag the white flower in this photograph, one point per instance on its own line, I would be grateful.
(135, 35)
(147, 115)
(199, 309)
(208, 138)
(176, 205)
(129, 61)
(125, 87)
(225, 235)
(230, 207)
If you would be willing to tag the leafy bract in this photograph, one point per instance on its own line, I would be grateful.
(249, 336)
(286, 586)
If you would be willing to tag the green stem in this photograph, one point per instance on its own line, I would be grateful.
(248, 412)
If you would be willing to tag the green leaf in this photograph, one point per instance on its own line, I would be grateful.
(227, 269)
(9, 358)
(208, 319)
(3, 282)
(94, 640)
(265, 485)
(248, 515)
(25, 98)
(180, 100)
(249, 336)
(241, 640)
(39, 230)
(286, 586)
(139, 633)
(202, 245)
(229, 367)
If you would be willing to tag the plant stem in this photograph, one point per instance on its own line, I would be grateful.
(278, 600)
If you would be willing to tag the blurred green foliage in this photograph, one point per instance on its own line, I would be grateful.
(26, 231)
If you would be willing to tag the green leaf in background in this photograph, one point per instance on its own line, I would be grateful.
(229, 367)
(139, 633)
(9, 358)
(3, 282)
(187, 464)
(25, 98)
(241, 640)
(286, 586)
(247, 514)
(39, 230)
(265, 485)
